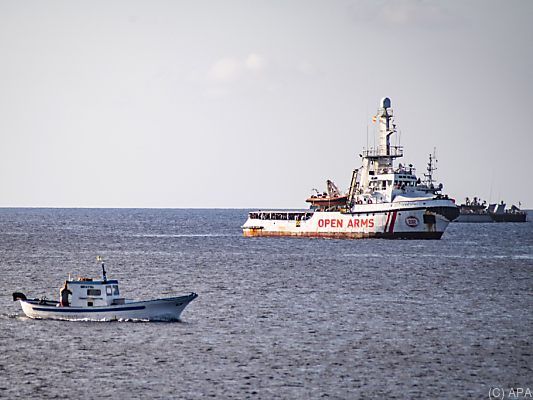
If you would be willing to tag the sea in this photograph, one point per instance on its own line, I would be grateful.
(276, 318)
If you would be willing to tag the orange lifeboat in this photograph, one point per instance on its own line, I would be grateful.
(327, 201)
(330, 199)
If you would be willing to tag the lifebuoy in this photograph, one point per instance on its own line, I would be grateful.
(359, 202)
(369, 201)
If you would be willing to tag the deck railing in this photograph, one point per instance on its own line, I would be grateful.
(394, 151)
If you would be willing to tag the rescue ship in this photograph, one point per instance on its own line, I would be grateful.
(383, 201)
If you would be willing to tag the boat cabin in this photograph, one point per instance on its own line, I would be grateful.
(89, 293)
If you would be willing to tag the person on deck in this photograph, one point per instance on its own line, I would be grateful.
(63, 295)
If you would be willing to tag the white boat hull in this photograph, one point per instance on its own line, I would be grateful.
(168, 309)
(405, 220)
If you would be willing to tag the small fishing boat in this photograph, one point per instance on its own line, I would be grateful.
(88, 299)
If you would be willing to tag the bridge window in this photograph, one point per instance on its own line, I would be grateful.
(94, 292)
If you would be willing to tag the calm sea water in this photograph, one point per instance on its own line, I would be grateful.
(276, 318)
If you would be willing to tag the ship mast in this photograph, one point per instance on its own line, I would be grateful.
(386, 127)
(376, 160)
(431, 167)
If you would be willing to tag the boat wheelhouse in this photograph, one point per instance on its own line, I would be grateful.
(89, 293)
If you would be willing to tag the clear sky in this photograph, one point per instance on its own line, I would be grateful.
(254, 103)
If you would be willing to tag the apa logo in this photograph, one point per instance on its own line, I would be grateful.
(411, 221)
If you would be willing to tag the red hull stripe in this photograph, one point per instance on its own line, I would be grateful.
(387, 223)
(391, 229)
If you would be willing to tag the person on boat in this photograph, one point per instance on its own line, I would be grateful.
(63, 295)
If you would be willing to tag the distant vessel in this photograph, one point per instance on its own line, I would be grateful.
(383, 201)
(473, 211)
(477, 211)
(499, 213)
(100, 300)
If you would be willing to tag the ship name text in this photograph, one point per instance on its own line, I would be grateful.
(352, 223)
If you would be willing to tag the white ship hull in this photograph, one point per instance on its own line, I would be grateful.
(400, 220)
(153, 310)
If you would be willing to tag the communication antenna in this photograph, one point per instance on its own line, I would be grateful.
(491, 183)
(374, 134)
(366, 114)
(100, 259)
(399, 137)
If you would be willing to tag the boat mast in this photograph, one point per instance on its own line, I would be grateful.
(100, 259)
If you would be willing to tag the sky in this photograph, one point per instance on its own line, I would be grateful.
(252, 104)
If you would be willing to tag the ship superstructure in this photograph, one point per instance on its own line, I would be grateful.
(383, 201)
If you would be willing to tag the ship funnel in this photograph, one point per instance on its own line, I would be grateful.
(385, 102)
